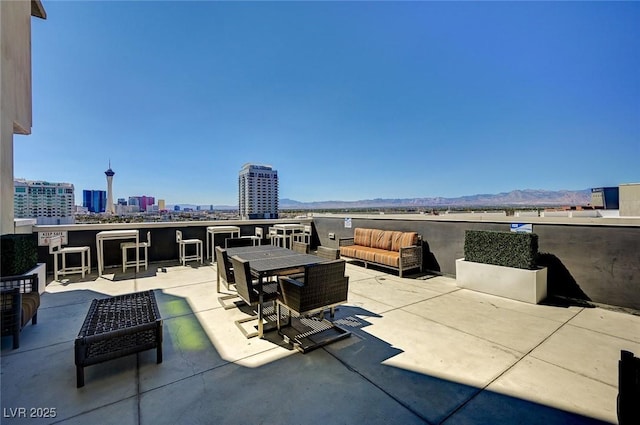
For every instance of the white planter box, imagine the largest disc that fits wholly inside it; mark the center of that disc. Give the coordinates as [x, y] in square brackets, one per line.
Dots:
[518, 284]
[41, 271]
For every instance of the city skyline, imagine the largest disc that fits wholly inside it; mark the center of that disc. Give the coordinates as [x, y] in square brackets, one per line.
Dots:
[348, 101]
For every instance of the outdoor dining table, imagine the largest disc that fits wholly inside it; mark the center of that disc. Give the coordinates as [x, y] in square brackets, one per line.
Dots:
[111, 235]
[268, 260]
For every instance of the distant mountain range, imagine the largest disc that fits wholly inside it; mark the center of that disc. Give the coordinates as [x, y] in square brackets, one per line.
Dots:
[515, 198]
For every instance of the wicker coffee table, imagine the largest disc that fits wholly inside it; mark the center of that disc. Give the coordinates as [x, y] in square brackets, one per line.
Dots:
[116, 327]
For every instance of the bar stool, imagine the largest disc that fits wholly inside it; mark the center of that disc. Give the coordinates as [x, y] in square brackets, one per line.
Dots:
[276, 238]
[55, 248]
[182, 245]
[125, 246]
[304, 236]
[257, 238]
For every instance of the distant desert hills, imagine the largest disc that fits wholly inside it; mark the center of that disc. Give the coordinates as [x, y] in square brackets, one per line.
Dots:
[515, 198]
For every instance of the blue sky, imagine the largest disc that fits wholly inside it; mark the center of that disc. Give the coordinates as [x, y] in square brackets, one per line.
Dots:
[348, 101]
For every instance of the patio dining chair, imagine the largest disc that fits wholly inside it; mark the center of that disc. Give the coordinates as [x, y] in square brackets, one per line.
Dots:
[237, 242]
[328, 253]
[225, 274]
[247, 291]
[300, 247]
[324, 286]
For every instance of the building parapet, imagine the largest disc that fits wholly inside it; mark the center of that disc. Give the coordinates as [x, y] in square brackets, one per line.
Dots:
[163, 224]
[493, 218]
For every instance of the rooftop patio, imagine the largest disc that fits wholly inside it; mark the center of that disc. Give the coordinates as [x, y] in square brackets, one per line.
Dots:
[421, 351]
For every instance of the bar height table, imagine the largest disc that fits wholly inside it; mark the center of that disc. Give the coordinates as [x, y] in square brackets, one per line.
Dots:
[213, 230]
[111, 235]
[288, 230]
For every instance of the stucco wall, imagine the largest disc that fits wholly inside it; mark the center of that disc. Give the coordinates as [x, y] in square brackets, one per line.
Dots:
[15, 30]
[630, 200]
[586, 261]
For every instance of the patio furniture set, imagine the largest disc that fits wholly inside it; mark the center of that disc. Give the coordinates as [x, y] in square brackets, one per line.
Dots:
[279, 234]
[296, 281]
[283, 274]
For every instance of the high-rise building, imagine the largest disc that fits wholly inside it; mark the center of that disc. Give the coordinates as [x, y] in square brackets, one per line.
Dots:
[607, 198]
[146, 202]
[161, 205]
[143, 202]
[49, 203]
[258, 192]
[109, 173]
[94, 201]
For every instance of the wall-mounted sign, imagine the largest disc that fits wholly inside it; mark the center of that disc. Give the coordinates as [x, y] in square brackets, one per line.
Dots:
[347, 223]
[522, 227]
[44, 237]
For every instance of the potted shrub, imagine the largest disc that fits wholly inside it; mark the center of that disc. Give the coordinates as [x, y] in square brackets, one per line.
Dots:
[19, 254]
[503, 264]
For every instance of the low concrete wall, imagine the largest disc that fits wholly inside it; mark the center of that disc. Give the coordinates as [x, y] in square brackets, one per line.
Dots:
[163, 238]
[590, 259]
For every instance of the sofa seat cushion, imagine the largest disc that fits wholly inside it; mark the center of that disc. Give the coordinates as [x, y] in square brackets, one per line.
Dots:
[30, 304]
[360, 252]
[372, 255]
[388, 258]
[349, 251]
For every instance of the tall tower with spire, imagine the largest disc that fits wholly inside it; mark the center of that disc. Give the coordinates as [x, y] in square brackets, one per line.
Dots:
[109, 173]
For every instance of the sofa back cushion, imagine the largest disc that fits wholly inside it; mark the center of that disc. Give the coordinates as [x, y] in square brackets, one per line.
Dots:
[402, 239]
[381, 239]
[362, 236]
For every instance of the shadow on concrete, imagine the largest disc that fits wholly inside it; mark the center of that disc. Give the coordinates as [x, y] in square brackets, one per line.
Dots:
[409, 274]
[186, 342]
[431, 398]
[429, 261]
[490, 407]
[562, 288]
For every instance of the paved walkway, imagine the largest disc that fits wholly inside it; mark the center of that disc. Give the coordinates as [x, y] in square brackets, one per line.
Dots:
[422, 351]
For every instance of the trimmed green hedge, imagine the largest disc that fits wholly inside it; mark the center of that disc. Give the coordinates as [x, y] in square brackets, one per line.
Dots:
[509, 249]
[19, 254]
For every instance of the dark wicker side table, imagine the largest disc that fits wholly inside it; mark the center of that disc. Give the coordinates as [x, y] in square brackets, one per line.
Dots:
[116, 327]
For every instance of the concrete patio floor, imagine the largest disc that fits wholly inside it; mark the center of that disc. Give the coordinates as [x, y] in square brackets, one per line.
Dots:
[421, 351]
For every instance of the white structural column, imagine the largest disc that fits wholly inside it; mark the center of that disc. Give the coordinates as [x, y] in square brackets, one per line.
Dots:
[109, 173]
[6, 180]
[15, 90]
